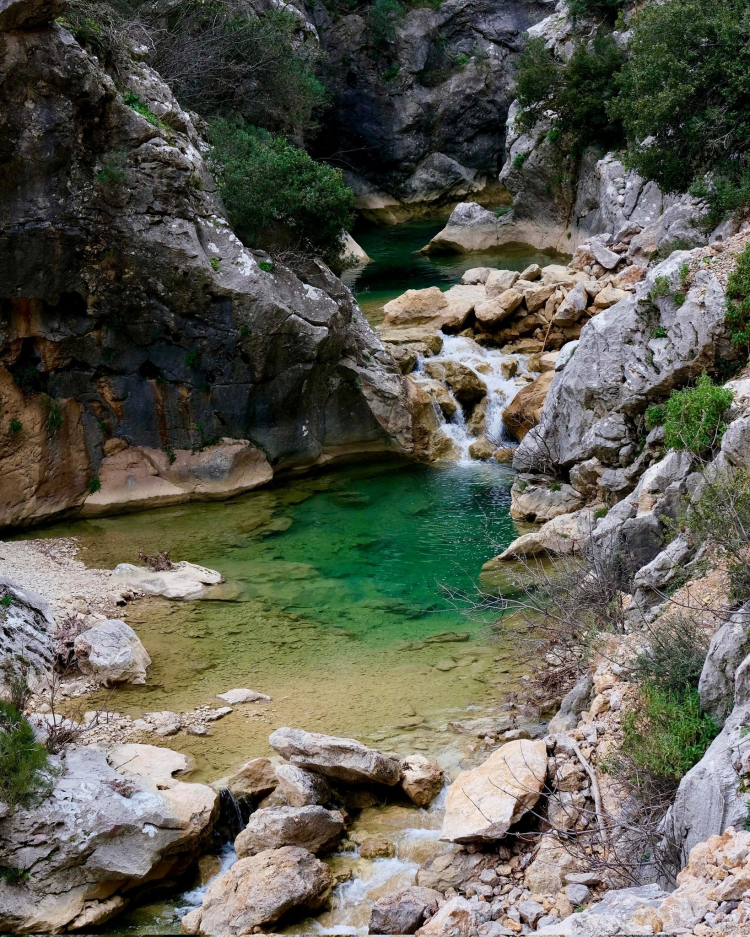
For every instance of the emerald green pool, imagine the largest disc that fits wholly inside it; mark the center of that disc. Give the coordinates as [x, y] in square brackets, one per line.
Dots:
[397, 264]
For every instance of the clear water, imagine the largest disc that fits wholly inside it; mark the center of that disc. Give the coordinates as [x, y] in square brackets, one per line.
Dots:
[397, 264]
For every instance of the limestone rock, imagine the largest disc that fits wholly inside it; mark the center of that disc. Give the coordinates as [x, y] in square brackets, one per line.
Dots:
[113, 828]
[184, 581]
[421, 779]
[572, 307]
[562, 535]
[313, 828]
[544, 876]
[255, 779]
[499, 308]
[573, 704]
[468, 388]
[404, 912]
[260, 889]
[524, 412]
[726, 652]
[422, 336]
[27, 634]
[243, 695]
[499, 281]
[542, 499]
[612, 915]
[377, 847]
[482, 804]
[339, 758]
[608, 297]
[461, 300]
[112, 653]
[302, 788]
[458, 917]
[415, 307]
[476, 275]
[482, 449]
[442, 396]
[454, 870]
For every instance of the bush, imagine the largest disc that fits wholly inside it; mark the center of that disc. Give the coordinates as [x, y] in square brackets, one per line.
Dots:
[675, 655]
[693, 418]
[383, 17]
[738, 302]
[684, 90]
[25, 774]
[278, 197]
[608, 8]
[662, 740]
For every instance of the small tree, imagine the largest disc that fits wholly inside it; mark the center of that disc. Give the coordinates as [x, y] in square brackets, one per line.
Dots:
[25, 771]
[693, 418]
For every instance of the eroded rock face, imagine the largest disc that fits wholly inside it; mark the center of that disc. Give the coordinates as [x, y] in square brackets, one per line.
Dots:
[132, 310]
[314, 828]
[259, 890]
[112, 653]
[339, 758]
[27, 631]
[482, 804]
[110, 829]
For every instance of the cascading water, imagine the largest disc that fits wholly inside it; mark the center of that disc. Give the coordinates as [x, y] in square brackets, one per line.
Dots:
[504, 375]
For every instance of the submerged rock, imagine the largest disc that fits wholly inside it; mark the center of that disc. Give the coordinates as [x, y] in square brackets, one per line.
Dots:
[339, 758]
[235, 697]
[314, 828]
[259, 890]
[112, 653]
[184, 581]
[482, 804]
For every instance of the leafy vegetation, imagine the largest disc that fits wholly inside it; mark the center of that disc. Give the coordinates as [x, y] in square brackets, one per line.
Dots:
[25, 775]
[674, 657]
[94, 485]
[577, 91]
[14, 427]
[607, 8]
[693, 418]
[134, 102]
[278, 197]
[738, 302]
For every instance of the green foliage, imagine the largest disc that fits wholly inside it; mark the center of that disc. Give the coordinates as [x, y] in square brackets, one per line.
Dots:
[383, 18]
[27, 377]
[11, 875]
[113, 169]
[659, 332]
[134, 102]
[192, 359]
[599, 513]
[54, 415]
[277, 196]
[675, 655]
[738, 302]
[15, 427]
[555, 486]
[577, 91]
[693, 418]
[462, 60]
[267, 267]
[656, 415]
[664, 738]
[215, 262]
[6, 601]
[24, 763]
[519, 159]
[684, 90]
[598, 8]
[660, 288]
[94, 485]
[391, 72]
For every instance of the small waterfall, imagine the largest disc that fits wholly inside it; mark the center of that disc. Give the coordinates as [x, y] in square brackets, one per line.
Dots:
[503, 383]
[231, 820]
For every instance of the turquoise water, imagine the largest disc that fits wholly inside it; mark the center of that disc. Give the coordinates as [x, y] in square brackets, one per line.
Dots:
[397, 264]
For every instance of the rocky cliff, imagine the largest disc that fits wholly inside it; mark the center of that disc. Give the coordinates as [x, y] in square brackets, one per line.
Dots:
[131, 310]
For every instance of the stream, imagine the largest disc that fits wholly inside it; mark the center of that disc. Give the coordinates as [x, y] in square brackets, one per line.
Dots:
[338, 604]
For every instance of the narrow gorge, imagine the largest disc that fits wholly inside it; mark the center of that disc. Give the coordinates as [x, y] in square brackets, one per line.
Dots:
[374, 467]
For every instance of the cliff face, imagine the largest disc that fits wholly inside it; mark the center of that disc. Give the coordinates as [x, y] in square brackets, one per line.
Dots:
[422, 118]
[131, 310]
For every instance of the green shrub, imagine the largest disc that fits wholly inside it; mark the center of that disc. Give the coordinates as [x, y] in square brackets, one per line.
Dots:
[15, 427]
[25, 776]
[599, 513]
[738, 302]
[54, 415]
[113, 169]
[134, 102]
[608, 8]
[215, 263]
[674, 657]
[659, 332]
[693, 418]
[383, 17]
[278, 198]
[519, 159]
[663, 739]
[577, 91]
[192, 359]
[267, 267]
[660, 288]
[94, 485]
[684, 90]
[392, 72]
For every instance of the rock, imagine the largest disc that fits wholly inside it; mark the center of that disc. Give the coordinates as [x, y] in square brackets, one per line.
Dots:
[427, 339]
[572, 307]
[543, 363]
[235, 697]
[499, 308]
[112, 653]
[458, 917]
[339, 758]
[302, 788]
[575, 702]
[542, 499]
[565, 354]
[608, 297]
[482, 804]
[164, 723]
[442, 396]
[415, 307]
[629, 277]
[727, 650]
[482, 449]
[468, 388]
[603, 255]
[617, 361]
[454, 870]
[255, 779]
[353, 253]
[259, 890]
[500, 281]
[476, 275]
[29, 14]
[470, 227]
[185, 581]
[404, 912]
[577, 894]
[27, 635]
[612, 915]
[532, 272]
[461, 301]
[509, 368]
[535, 295]
[114, 829]
[544, 876]
[421, 778]
[524, 412]
[505, 455]
[558, 537]
[530, 911]
[313, 828]
[377, 847]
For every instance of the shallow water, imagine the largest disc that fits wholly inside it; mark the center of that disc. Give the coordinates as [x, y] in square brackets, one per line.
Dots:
[396, 264]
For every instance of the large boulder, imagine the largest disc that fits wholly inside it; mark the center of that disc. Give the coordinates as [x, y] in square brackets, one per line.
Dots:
[112, 653]
[339, 758]
[542, 499]
[253, 780]
[111, 826]
[524, 411]
[314, 828]
[619, 368]
[404, 912]
[561, 535]
[467, 386]
[416, 307]
[259, 890]
[421, 778]
[454, 870]
[482, 804]
[302, 788]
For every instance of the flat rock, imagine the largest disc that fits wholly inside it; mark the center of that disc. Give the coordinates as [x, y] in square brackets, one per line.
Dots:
[458, 917]
[235, 697]
[415, 307]
[313, 828]
[482, 804]
[184, 581]
[339, 758]
[260, 889]
[112, 653]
